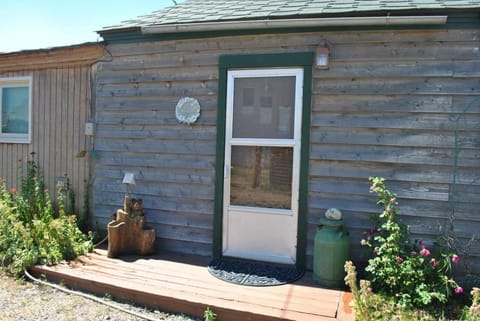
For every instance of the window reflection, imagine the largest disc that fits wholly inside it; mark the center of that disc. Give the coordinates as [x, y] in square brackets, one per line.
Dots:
[14, 107]
[261, 176]
[263, 107]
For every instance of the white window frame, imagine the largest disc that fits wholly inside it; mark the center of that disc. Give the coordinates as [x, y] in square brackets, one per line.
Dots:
[9, 82]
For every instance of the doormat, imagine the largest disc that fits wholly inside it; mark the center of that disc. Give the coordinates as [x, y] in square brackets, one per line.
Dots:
[253, 273]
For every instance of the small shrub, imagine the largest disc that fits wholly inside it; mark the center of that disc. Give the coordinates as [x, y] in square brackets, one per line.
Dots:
[31, 232]
[376, 306]
[409, 272]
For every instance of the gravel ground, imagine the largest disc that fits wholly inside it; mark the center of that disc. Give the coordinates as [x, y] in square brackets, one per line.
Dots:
[26, 301]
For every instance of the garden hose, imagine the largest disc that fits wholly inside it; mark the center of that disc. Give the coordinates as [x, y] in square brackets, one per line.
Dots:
[90, 297]
[101, 242]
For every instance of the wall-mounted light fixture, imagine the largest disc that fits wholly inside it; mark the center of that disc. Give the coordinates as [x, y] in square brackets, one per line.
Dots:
[129, 181]
[322, 54]
[129, 178]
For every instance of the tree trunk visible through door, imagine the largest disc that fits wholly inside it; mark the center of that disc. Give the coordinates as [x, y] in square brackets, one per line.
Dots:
[257, 161]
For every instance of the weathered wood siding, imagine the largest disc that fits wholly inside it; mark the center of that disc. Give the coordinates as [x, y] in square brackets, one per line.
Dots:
[61, 104]
[387, 106]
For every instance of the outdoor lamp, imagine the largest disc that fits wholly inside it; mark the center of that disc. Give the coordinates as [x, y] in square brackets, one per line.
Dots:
[129, 180]
[322, 54]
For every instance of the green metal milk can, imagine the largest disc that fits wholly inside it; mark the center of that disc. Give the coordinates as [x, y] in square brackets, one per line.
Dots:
[331, 250]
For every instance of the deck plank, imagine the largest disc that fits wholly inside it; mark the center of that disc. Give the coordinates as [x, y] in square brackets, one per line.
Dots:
[179, 283]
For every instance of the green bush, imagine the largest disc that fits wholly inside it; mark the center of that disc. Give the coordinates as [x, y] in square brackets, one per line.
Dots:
[414, 274]
[407, 280]
[370, 306]
[31, 231]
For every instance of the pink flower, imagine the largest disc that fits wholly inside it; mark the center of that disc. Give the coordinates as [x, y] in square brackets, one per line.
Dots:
[363, 242]
[425, 252]
[399, 260]
[373, 230]
[455, 258]
[90, 233]
[458, 290]
[433, 263]
[392, 200]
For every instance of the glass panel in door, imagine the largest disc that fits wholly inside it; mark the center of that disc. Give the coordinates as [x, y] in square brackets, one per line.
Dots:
[264, 107]
[261, 176]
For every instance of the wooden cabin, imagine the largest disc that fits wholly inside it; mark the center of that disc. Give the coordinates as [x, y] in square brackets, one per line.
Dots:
[46, 102]
[299, 102]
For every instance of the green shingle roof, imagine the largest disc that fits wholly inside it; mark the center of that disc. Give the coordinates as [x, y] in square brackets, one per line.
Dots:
[195, 11]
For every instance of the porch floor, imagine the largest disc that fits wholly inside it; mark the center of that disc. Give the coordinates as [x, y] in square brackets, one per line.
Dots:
[181, 283]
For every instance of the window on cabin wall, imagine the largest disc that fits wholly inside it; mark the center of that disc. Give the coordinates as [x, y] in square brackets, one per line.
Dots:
[15, 109]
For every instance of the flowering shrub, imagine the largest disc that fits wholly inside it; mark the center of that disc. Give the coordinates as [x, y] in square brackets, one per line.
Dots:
[370, 306]
[412, 273]
[31, 232]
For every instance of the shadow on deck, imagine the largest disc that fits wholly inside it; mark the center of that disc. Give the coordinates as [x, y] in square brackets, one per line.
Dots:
[181, 283]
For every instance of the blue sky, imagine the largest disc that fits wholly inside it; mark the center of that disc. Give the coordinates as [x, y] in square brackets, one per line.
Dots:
[36, 24]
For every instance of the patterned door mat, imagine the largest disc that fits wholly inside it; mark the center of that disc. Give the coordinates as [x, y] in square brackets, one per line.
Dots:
[253, 273]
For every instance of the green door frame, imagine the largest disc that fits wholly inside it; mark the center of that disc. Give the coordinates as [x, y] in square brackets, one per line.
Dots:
[250, 61]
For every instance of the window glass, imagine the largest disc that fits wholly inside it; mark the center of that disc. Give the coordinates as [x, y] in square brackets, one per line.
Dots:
[15, 110]
[263, 107]
[261, 176]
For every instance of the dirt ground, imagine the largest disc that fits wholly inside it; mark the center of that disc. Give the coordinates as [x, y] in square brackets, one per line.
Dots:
[22, 300]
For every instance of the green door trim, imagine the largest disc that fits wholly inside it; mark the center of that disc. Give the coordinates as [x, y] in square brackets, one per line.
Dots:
[226, 62]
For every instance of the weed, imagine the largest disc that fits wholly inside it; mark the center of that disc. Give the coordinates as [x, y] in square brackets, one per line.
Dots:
[209, 315]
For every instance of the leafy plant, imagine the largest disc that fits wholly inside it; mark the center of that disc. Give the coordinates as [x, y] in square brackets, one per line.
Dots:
[407, 280]
[376, 306]
[412, 273]
[71, 202]
[31, 232]
[474, 310]
[209, 315]
[369, 305]
[83, 217]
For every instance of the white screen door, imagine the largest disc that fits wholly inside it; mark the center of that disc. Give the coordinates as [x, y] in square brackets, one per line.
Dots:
[262, 164]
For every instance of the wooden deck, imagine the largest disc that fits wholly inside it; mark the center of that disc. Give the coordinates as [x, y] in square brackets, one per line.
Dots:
[180, 283]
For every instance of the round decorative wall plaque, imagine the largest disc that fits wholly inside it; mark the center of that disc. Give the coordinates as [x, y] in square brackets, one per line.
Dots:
[187, 110]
